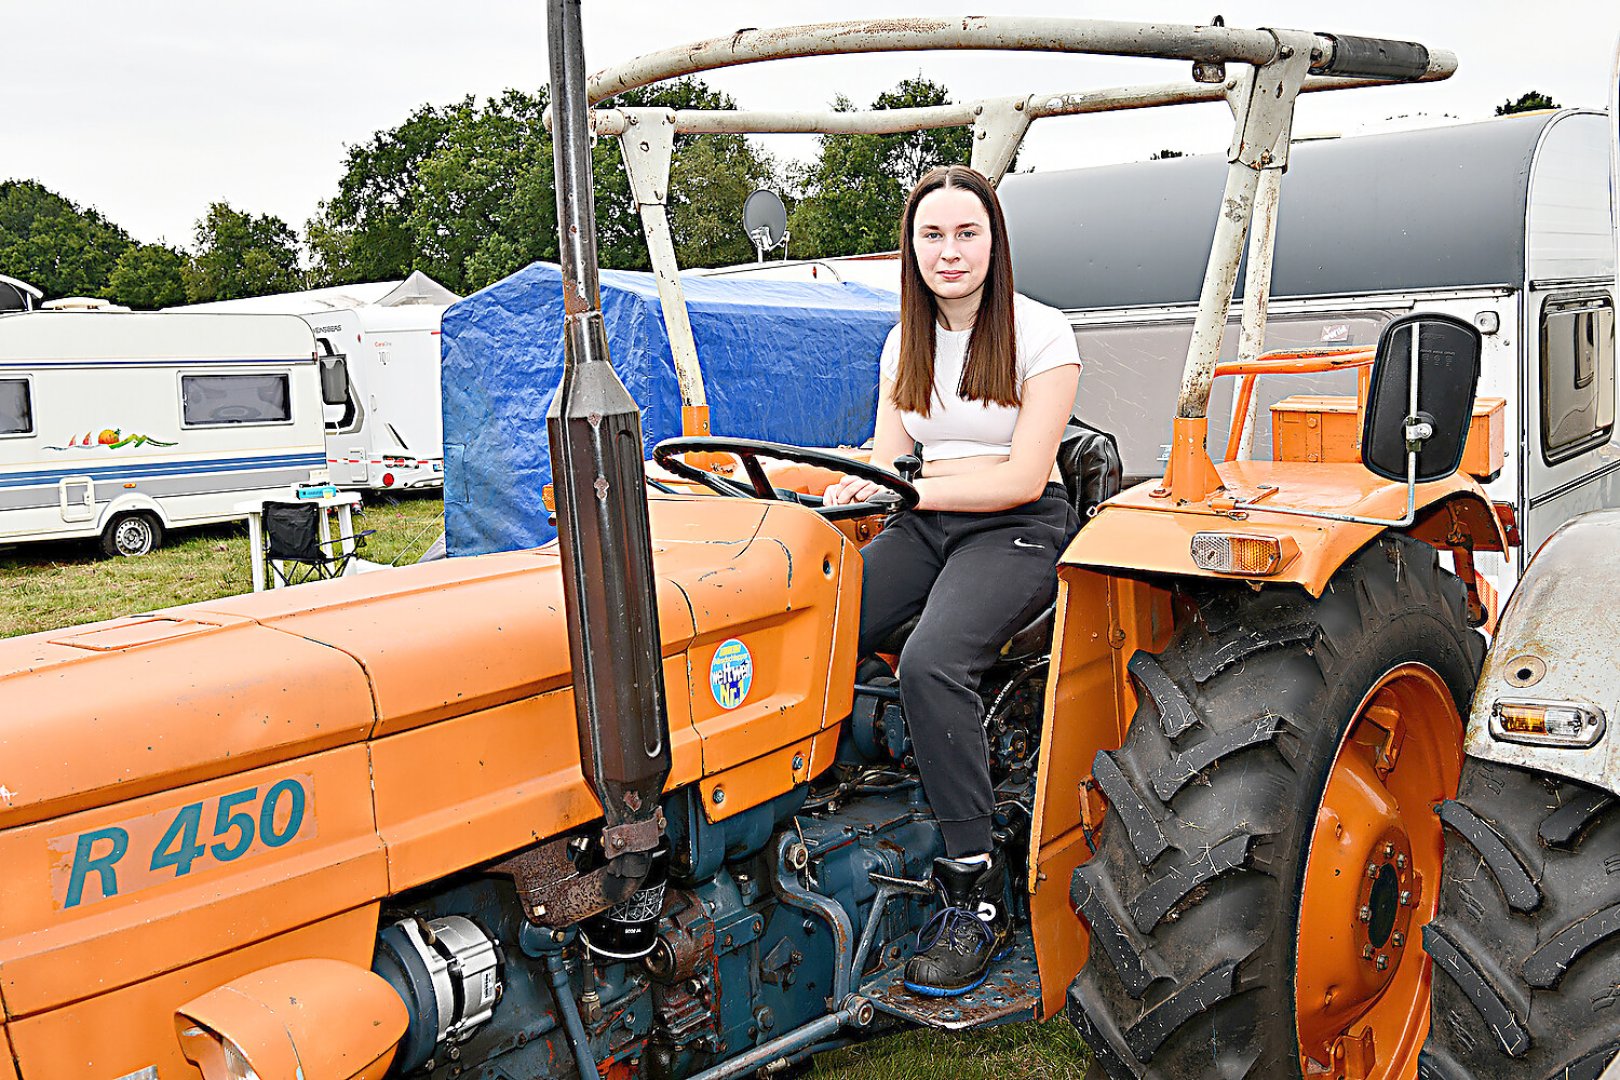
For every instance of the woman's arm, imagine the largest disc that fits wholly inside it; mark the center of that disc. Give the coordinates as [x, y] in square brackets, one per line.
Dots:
[1047, 402]
[889, 441]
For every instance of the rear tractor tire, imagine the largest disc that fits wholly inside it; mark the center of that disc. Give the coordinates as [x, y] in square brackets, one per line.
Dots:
[130, 534]
[1270, 851]
[1526, 946]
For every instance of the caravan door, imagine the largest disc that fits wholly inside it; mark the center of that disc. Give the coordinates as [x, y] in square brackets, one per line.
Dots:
[1571, 444]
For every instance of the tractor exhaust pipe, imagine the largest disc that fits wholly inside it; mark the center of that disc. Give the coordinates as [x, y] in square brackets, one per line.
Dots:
[596, 452]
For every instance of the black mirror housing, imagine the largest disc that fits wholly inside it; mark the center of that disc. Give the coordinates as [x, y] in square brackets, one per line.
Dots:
[1448, 375]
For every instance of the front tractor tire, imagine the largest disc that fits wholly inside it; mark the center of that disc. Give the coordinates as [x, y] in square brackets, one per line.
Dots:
[1270, 852]
[1527, 943]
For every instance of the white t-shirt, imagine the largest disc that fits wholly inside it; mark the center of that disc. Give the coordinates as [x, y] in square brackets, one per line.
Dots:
[956, 428]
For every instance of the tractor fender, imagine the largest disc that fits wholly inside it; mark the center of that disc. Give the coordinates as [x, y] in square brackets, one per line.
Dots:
[1557, 642]
[1138, 531]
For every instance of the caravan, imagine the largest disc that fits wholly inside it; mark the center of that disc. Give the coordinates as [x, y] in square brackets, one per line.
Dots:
[383, 339]
[123, 426]
[1505, 223]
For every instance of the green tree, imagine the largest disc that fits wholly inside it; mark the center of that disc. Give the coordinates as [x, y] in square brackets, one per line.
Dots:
[55, 245]
[481, 207]
[852, 195]
[363, 233]
[148, 276]
[468, 194]
[1534, 101]
[240, 254]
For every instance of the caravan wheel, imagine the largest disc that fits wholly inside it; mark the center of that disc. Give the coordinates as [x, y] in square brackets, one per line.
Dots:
[131, 534]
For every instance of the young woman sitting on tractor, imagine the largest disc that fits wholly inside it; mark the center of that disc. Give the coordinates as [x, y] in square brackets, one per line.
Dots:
[983, 381]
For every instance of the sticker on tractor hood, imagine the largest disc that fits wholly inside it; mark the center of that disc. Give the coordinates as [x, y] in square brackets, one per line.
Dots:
[116, 860]
[731, 673]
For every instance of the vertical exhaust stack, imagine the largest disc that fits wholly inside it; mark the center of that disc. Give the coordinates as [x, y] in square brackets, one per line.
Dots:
[596, 453]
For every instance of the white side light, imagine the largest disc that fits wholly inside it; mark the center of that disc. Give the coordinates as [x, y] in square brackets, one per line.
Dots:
[1562, 724]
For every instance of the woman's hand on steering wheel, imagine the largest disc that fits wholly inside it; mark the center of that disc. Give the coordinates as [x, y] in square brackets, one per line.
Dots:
[850, 489]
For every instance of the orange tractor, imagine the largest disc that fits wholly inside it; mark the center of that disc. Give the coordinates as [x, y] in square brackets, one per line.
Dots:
[624, 807]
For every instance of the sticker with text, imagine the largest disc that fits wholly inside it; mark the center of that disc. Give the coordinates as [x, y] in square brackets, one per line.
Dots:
[116, 860]
[731, 673]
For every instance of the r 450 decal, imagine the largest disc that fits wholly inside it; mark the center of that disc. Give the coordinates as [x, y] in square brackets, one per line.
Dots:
[116, 860]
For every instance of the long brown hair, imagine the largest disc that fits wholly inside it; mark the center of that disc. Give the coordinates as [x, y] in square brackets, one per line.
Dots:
[991, 371]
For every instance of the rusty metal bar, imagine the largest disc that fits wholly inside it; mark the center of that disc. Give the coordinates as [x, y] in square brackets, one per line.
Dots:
[613, 122]
[1165, 41]
[1256, 300]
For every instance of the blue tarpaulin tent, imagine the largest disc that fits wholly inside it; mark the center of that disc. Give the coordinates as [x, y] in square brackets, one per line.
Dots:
[791, 361]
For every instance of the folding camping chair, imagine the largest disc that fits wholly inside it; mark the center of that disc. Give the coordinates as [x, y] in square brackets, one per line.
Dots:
[294, 547]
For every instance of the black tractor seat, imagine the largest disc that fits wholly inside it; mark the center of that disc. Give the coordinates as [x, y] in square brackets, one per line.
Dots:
[1088, 460]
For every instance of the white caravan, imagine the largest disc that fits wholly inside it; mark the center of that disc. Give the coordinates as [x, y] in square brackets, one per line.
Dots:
[381, 340]
[124, 425]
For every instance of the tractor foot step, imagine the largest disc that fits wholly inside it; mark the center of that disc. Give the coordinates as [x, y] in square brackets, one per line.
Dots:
[1011, 992]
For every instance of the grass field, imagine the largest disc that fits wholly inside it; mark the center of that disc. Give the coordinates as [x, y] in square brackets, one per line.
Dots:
[49, 586]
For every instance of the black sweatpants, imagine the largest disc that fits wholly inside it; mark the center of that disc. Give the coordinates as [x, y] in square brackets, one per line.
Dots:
[977, 579]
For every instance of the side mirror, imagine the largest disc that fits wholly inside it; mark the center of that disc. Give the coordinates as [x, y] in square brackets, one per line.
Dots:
[1421, 400]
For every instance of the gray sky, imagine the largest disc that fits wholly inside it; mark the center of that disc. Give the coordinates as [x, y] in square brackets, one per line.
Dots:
[149, 111]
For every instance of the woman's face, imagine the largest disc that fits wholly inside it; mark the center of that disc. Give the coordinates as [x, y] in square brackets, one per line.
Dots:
[951, 236]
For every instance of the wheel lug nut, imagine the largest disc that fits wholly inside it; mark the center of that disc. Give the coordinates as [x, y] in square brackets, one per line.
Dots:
[1397, 939]
[1383, 962]
[1406, 898]
[1366, 952]
[1372, 870]
[1365, 914]
[1389, 850]
[1400, 862]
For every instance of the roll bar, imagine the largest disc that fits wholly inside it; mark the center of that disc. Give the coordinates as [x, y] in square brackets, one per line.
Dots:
[1275, 67]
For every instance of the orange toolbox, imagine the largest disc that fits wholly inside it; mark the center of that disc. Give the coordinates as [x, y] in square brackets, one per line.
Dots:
[1310, 427]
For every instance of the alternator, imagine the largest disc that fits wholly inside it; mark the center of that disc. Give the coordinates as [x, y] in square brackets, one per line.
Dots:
[447, 971]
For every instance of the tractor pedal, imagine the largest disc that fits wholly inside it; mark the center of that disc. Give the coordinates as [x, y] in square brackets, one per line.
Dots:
[1010, 992]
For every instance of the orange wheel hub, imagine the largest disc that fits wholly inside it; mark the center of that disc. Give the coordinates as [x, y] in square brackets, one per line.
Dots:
[1362, 978]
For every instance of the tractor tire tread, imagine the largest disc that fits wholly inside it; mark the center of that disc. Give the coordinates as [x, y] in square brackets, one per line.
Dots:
[1176, 713]
[1555, 966]
[1518, 888]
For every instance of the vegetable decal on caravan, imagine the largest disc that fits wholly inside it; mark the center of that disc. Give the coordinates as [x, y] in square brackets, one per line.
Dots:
[112, 439]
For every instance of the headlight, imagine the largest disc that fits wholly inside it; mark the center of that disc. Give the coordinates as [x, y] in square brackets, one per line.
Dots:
[1561, 724]
[215, 1055]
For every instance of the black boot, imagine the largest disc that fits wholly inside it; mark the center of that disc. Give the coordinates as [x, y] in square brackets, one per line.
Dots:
[970, 931]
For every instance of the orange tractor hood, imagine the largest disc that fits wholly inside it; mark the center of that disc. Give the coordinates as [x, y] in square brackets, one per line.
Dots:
[102, 713]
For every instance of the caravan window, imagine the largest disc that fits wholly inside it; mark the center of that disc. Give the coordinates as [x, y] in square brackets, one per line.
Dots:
[16, 407]
[213, 400]
[1577, 375]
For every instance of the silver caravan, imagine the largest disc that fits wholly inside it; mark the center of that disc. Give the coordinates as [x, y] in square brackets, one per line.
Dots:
[124, 425]
[1506, 223]
[380, 341]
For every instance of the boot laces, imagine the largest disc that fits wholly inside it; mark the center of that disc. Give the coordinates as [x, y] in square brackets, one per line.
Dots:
[959, 928]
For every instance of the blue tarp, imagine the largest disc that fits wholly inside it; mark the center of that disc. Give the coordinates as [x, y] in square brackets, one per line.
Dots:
[790, 361]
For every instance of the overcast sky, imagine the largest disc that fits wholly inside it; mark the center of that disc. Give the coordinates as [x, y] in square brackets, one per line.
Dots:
[150, 111]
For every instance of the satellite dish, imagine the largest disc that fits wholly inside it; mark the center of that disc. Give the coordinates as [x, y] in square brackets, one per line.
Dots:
[765, 220]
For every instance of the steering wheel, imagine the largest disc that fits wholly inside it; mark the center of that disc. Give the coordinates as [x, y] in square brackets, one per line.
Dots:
[898, 493]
